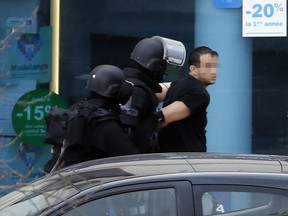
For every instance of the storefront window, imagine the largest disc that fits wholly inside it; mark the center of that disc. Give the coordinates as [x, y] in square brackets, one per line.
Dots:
[25, 99]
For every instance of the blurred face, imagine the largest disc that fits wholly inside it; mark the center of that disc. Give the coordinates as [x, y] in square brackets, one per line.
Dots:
[206, 72]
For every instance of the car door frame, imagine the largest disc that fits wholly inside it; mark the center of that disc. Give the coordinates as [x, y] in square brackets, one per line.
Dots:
[183, 188]
[200, 189]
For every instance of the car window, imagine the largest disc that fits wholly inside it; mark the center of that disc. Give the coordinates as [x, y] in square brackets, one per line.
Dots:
[250, 202]
[157, 202]
[34, 199]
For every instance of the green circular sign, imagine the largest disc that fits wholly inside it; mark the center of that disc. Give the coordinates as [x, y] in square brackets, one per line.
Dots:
[29, 112]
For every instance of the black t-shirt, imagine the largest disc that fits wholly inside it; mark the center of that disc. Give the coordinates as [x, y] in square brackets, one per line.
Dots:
[188, 134]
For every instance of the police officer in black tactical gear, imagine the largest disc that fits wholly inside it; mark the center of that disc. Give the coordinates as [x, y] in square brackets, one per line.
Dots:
[149, 60]
[102, 137]
[108, 138]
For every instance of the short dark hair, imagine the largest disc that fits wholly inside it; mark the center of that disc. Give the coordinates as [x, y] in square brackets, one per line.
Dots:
[194, 57]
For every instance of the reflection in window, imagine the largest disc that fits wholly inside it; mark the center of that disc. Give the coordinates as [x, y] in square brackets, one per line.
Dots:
[160, 202]
[244, 203]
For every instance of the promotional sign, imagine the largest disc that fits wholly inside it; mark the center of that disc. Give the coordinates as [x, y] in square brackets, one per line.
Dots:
[27, 25]
[28, 58]
[264, 18]
[28, 115]
[9, 96]
[21, 162]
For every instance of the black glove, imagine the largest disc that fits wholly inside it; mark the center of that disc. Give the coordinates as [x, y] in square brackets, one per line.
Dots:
[159, 117]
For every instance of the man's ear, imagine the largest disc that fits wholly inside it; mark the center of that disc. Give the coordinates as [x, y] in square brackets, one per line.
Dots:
[192, 70]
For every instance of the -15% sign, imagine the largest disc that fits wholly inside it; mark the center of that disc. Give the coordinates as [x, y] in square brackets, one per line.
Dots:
[29, 112]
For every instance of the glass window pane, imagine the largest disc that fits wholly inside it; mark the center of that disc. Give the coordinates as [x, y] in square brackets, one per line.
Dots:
[248, 203]
[160, 202]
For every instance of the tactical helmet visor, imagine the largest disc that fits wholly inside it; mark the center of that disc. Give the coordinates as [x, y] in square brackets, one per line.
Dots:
[174, 51]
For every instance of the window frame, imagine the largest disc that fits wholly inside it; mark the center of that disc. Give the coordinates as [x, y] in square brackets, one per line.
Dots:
[199, 190]
[183, 190]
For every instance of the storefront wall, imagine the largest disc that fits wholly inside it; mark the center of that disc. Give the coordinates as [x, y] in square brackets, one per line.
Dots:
[248, 109]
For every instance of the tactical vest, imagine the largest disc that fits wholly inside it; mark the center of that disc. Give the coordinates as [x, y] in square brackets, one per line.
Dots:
[138, 116]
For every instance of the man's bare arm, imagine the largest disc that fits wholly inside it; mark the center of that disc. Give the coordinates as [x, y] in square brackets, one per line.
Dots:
[165, 86]
[174, 112]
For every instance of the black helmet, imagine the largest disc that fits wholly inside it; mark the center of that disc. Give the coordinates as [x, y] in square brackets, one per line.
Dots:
[106, 80]
[149, 53]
